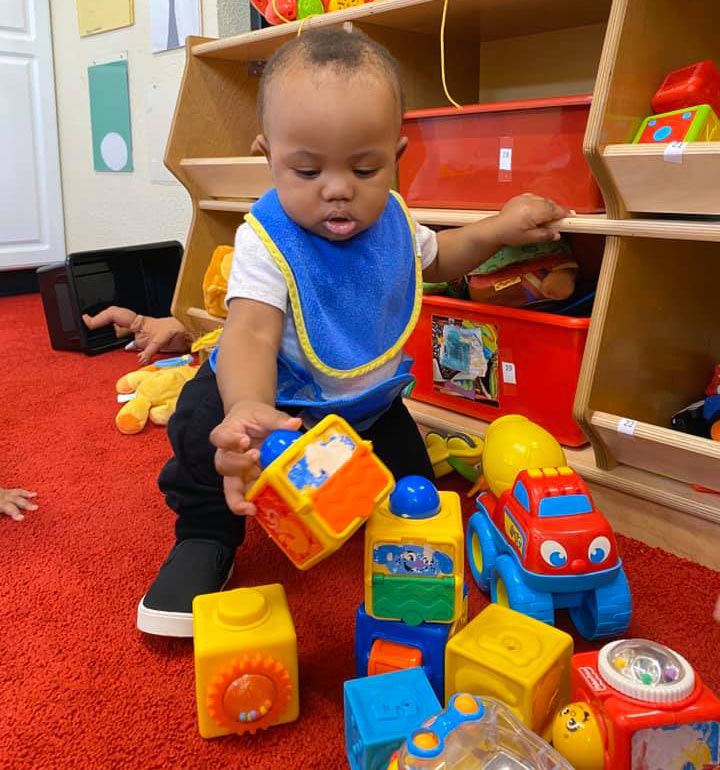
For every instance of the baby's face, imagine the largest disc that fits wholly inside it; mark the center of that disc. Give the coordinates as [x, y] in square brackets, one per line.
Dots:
[332, 141]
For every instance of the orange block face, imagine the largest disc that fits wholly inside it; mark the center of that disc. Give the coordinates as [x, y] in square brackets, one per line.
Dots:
[388, 656]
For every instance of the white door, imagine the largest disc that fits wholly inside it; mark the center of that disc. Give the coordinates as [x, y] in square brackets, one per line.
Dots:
[31, 214]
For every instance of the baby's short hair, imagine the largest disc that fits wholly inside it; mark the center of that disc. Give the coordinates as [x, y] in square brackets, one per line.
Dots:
[332, 47]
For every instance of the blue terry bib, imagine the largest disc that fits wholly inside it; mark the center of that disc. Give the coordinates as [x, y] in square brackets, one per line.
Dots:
[354, 304]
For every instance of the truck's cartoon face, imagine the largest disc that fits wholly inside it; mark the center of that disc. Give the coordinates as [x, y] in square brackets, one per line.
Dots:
[556, 534]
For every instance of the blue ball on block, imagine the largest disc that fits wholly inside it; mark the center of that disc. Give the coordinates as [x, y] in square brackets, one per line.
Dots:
[414, 497]
[275, 444]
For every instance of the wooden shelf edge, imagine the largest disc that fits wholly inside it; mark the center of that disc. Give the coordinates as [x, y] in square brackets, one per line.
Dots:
[226, 204]
[630, 481]
[709, 149]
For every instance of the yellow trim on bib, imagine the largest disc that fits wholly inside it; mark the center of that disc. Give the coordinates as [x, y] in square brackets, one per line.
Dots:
[296, 306]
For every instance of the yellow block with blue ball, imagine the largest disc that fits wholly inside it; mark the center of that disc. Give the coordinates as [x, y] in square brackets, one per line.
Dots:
[521, 661]
[317, 488]
[414, 555]
[246, 669]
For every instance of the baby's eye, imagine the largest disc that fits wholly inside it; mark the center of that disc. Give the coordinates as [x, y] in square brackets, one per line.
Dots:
[306, 173]
[364, 173]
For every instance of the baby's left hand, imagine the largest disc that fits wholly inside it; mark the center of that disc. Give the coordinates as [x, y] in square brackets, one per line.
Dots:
[529, 218]
[14, 501]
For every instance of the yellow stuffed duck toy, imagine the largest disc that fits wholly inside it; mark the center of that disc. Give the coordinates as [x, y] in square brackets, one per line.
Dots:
[156, 392]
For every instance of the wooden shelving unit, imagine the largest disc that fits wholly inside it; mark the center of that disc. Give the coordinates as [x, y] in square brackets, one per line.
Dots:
[654, 334]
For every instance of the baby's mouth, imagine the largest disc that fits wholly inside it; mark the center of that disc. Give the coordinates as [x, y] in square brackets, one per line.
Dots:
[340, 224]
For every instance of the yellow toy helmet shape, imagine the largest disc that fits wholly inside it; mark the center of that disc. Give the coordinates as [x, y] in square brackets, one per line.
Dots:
[514, 444]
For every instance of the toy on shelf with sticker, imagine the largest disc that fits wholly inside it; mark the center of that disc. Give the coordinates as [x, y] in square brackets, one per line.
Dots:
[691, 124]
[475, 734]
[456, 452]
[638, 704]
[702, 418]
[697, 84]
[282, 11]
[391, 645]
[542, 545]
[414, 556]
[317, 488]
[380, 711]
[519, 660]
[246, 676]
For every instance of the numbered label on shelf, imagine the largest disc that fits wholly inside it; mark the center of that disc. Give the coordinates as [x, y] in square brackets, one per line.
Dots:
[508, 373]
[505, 162]
[627, 426]
[674, 152]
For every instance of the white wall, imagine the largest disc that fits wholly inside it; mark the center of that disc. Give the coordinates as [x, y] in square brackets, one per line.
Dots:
[106, 209]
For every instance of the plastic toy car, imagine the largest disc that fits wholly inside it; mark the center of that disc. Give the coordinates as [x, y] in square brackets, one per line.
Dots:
[542, 545]
[475, 734]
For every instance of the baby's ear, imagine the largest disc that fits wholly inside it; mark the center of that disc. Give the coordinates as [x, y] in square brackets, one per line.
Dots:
[400, 147]
[260, 146]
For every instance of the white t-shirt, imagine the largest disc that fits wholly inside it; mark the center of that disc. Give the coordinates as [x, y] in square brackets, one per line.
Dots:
[254, 275]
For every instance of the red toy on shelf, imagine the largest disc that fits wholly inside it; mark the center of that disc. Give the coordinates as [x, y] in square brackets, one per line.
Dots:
[640, 706]
[687, 87]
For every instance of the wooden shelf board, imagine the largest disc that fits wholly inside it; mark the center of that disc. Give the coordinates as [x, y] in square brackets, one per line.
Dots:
[474, 20]
[204, 320]
[632, 481]
[593, 224]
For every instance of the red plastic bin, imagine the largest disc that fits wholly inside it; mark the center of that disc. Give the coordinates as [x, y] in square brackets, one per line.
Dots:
[532, 362]
[482, 155]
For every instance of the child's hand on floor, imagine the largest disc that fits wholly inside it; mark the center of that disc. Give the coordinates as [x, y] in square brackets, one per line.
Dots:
[237, 439]
[527, 219]
[14, 501]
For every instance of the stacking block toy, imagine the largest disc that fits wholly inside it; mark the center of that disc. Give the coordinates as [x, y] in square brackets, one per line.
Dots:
[414, 556]
[638, 704]
[391, 645]
[317, 488]
[246, 675]
[475, 734]
[519, 660]
[692, 124]
[697, 84]
[380, 711]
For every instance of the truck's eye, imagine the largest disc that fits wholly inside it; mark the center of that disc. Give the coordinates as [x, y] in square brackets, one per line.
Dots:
[599, 550]
[553, 553]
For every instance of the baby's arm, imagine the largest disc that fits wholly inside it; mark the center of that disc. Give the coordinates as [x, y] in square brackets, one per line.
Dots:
[524, 219]
[246, 376]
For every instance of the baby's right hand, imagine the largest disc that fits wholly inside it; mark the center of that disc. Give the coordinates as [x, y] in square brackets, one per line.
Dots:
[237, 439]
[14, 501]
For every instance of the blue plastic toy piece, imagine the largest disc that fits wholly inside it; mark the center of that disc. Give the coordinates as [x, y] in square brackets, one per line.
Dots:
[380, 711]
[429, 638]
[461, 709]
[414, 497]
[169, 363]
[275, 444]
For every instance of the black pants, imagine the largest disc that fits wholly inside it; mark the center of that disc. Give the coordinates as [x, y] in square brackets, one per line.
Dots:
[194, 489]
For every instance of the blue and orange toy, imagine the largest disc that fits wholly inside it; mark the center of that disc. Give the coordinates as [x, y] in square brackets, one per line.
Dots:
[414, 555]
[246, 669]
[380, 711]
[316, 489]
[637, 705]
[475, 734]
[542, 545]
[690, 124]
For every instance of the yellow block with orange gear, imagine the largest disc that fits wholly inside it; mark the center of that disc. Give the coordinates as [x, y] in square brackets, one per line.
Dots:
[520, 661]
[156, 392]
[246, 665]
[313, 496]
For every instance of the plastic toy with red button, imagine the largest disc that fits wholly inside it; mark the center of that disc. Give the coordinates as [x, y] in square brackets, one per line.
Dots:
[317, 488]
[687, 106]
[246, 669]
[475, 734]
[538, 543]
[702, 418]
[638, 705]
[282, 11]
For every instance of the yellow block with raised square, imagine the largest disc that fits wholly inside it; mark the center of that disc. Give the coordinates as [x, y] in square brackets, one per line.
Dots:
[520, 661]
[246, 672]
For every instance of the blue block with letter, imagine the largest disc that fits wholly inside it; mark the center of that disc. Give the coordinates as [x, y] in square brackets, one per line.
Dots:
[380, 712]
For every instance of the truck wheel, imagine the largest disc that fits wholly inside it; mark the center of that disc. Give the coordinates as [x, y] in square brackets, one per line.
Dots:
[481, 549]
[606, 611]
[510, 590]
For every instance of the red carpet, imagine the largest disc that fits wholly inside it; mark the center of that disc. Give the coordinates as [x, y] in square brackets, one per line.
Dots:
[80, 687]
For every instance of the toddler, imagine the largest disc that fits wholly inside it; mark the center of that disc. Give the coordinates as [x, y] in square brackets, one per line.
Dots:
[325, 288]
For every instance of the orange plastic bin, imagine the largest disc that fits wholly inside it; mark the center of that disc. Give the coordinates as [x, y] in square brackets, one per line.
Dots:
[486, 361]
[482, 155]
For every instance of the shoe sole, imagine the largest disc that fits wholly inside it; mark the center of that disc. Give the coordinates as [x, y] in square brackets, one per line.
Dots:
[176, 624]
